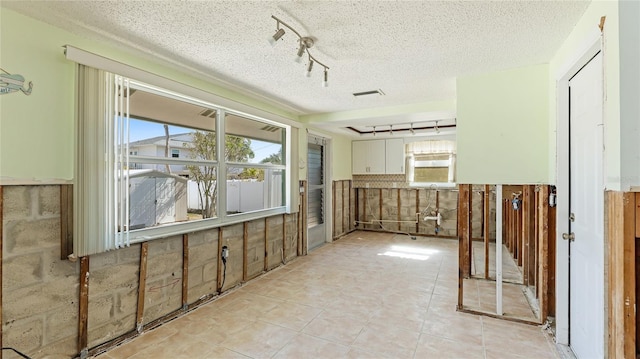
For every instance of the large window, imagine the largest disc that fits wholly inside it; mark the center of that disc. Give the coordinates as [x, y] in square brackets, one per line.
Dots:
[172, 163]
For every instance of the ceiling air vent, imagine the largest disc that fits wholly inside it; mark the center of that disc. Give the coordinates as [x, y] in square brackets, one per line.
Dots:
[366, 93]
[208, 113]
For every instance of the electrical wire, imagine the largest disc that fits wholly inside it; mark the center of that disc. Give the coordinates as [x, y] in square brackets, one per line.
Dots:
[17, 352]
[224, 272]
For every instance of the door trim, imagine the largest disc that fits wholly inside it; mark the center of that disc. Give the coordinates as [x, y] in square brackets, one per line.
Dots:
[562, 185]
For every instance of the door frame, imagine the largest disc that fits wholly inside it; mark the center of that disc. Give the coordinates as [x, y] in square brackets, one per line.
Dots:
[593, 46]
[328, 172]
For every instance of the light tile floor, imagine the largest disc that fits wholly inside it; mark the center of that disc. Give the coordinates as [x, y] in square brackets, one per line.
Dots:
[367, 295]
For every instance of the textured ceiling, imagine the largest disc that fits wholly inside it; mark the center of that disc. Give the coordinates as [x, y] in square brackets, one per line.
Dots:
[411, 50]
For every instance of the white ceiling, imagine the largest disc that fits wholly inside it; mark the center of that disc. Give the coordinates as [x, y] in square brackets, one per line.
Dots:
[411, 50]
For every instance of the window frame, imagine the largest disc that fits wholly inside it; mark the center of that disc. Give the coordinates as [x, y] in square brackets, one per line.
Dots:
[90, 226]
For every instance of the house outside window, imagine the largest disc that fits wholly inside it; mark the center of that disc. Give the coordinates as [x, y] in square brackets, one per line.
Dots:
[178, 164]
[431, 163]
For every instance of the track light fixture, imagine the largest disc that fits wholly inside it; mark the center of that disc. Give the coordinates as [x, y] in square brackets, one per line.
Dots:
[309, 68]
[305, 43]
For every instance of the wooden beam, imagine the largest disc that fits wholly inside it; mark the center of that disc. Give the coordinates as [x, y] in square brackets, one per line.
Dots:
[266, 244]
[1, 264]
[142, 284]
[344, 209]
[543, 253]
[364, 207]
[83, 315]
[399, 210]
[637, 215]
[418, 208]
[350, 205]
[527, 247]
[333, 210]
[380, 205]
[284, 238]
[630, 299]
[66, 221]
[470, 230]
[485, 235]
[245, 245]
[185, 271]
[220, 264]
[438, 209]
[464, 228]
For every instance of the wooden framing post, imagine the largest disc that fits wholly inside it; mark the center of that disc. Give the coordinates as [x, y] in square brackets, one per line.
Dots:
[464, 236]
[245, 241]
[142, 284]
[543, 253]
[620, 238]
[380, 206]
[284, 239]
[333, 210]
[185, 272]
[305, 246]
[528, 239]
[83, 317]
[418, 208]
[485, 234]
[266, 244]
[220, 264]
[1, 255]
[344, 209]
[399, 210]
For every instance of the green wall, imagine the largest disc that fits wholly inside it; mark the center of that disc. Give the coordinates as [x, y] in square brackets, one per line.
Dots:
[37, 131]
[502, 133]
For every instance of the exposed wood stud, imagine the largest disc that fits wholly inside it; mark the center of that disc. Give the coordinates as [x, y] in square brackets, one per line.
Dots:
[526, 226]
[637, 215]
[333, 210]
[464, 228]
[185, 271]
[485, 234]
[66, 221]
[266, 244]
[629, 240]
[350, 205]
[83, 315]
[380, 206]
[344, 210]
[1, 264]
[245, 246]
[142, 285]
[470, 230]
[365, 193]
[417, 208]
[220, 264]
[399, 210]
[284, 239]
[543, 253]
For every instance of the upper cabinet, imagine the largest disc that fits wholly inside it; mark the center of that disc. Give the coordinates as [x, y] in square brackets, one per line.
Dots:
[378, 157]
[394, 156]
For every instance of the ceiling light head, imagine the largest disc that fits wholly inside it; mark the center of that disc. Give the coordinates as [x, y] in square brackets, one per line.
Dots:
[274, 39]
[325, 81]
[305, 43]
[309, 68]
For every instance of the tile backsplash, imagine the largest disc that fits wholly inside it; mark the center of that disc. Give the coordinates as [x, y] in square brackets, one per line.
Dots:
[380, 181]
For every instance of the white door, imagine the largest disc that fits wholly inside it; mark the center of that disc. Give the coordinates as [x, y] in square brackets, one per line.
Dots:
[586, 205]
[316, 203]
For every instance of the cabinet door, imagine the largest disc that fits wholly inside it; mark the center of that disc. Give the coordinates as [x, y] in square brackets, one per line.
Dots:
[376, 157]
[359, 162]
[394, 154]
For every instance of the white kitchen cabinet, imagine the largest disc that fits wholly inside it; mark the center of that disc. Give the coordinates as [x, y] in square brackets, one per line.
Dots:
[377, 157]
[368, 157]
[394, 156]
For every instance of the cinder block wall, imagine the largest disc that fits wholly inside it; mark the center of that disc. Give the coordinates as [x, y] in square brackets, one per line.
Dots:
[397, 208]
[40, 304]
